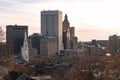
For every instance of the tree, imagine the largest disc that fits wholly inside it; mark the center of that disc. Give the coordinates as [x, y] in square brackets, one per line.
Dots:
[2, 35]
[112, 70]
[84, 67]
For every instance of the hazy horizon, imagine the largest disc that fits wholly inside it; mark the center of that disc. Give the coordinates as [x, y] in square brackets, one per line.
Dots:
[92, 19]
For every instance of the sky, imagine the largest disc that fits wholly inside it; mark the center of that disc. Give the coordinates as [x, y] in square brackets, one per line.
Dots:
[92, 19]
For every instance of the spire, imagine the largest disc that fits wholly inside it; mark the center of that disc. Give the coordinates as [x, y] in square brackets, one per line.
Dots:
[25, 43]
[25, 49]
[25, 37]
[66, 22]
[66, 17]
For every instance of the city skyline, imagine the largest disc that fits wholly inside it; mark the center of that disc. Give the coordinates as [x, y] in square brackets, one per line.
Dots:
[92, 19]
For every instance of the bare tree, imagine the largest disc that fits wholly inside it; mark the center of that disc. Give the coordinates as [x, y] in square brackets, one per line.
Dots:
[2, 35]
[82, 68]
[87, 67]
[112, 70]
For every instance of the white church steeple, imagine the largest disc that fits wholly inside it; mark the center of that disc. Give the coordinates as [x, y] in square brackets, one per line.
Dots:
[25, 49]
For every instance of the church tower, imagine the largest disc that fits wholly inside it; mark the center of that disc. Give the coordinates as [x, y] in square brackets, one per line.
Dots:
[25, 49]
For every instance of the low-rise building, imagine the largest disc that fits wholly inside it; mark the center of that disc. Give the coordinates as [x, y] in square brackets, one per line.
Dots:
[46, 45]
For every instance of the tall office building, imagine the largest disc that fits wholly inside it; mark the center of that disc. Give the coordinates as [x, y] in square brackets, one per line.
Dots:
[15, 37]
[51, 25]
[75, 42]
[66, 33]
[72, 37]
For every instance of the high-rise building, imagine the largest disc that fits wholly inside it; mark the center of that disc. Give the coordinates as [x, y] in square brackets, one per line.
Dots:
[15, 37]
[114, 44]
[66, 33]
[72, 37]
[51, 24]
[75, 42]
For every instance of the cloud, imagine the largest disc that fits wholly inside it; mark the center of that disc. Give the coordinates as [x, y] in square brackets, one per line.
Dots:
[8, 6]
[30, 1]
[12, 12]
[96, 16]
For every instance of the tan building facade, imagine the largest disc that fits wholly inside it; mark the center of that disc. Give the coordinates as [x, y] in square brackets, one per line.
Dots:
[51, 24]
[48, 46]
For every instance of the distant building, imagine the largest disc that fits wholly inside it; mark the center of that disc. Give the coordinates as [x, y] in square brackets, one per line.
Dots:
[69, 39]
[69, 52]
[75, 42]
[95, 50]
[32, 50]
[51, 24]
[114, 44]
[34, 41]
[72, 37]
[66, 33]
[15, 37]
[103, 43]
[95, 47]
[80, 45]
[46, 45]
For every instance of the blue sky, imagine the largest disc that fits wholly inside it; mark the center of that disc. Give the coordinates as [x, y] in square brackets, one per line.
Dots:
[93, 19]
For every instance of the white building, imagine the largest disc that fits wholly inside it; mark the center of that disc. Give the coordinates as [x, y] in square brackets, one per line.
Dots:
[25, 49]
[51, 24]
